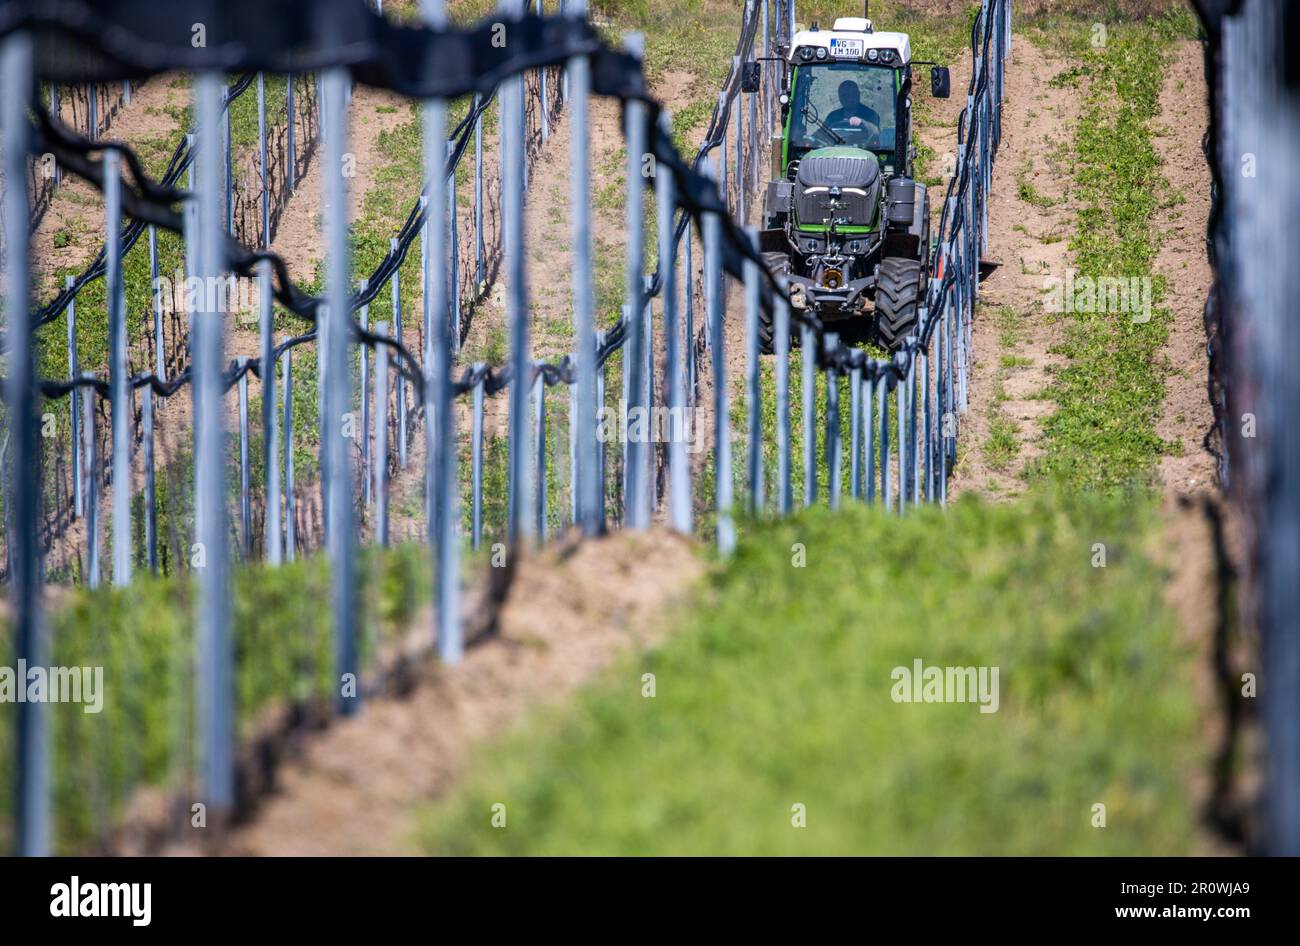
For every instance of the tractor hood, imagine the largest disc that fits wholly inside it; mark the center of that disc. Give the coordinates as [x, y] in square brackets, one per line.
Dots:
[856, 174]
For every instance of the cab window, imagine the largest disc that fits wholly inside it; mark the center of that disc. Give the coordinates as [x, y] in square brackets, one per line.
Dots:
[843, 103]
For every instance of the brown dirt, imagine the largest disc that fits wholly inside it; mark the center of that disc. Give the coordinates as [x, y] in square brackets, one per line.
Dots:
[300, 239]
[1028, 239]
[76, 214]
[1038, 121]
[77, 209]
[1182, 259]
[1189, 548]
[548, 235]
[1187, 414]
[569, 612]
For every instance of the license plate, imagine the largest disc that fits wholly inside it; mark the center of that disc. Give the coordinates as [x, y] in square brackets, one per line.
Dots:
[846, 48]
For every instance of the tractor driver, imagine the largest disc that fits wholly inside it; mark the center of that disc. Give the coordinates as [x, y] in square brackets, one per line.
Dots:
[852, 112]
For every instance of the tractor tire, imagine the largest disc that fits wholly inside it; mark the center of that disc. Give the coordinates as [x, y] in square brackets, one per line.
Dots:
[898, 295]
[779, 264]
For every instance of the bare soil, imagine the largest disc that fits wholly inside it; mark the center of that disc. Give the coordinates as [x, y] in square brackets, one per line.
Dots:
[1028, 236]
[1187, 415]
[76, 212]
[75, 219]
[570, 611]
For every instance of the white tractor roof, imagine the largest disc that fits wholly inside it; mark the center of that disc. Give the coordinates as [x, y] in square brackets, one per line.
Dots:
[855, 29]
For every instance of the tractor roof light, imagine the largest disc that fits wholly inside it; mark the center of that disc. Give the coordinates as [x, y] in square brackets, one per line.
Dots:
[821, 52]
[886, 55]
[805, 53]
[873, 55]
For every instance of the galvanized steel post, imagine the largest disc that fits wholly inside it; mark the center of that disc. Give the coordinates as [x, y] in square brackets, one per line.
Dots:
[518, 520]
[807, 393]
[726, 529]
[215, 653]
[381, 437]
[781, 348]
[476, 455]
[272, 540]
[586, 472]
[32, 801]
[833, 460]
[119, 390]
[245, 501]
[753, 379]
[290, 510]
[340, 537]
[680, 424]
[634, 360]
[75, 399]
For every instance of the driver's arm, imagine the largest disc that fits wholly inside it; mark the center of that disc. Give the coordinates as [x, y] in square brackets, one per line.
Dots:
[864, 116]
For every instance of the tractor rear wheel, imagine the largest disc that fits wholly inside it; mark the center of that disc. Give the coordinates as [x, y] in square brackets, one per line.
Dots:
[779, 264]
[898, 294]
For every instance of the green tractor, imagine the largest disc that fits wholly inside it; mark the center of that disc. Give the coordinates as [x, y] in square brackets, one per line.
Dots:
[845, 222]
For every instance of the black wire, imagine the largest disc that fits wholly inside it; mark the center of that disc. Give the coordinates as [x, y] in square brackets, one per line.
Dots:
[696, 195]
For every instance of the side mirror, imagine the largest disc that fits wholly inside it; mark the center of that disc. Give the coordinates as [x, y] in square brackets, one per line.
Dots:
[751, 77]
[940, 84]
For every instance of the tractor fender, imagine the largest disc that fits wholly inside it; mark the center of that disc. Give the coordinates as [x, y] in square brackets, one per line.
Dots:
[778, 200]
[911, 239]
[920, 227]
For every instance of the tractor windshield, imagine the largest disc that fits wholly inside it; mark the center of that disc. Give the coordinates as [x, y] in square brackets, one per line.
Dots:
[843, 103]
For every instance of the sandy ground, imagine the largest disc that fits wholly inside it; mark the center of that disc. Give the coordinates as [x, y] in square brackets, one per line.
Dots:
[1025, 236]
[1182, 260]
[1029, 241]
[1029, 238]
[568, 614]
[150, 128]
[75, 219]
[76, 212]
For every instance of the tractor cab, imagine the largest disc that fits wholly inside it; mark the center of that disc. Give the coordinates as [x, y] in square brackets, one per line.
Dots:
[845, 224]
[847, 89]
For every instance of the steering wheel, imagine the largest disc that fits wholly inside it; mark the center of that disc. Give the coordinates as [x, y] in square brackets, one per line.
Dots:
[868, 132]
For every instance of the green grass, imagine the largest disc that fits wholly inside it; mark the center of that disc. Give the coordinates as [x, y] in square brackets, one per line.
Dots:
[1110, 391]
[143, 637]
[1002, 444]
[1031, 195]
[777, 691]
[689, 120]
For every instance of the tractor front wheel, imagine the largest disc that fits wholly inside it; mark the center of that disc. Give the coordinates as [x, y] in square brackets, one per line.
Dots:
[779, 264]
[898, 294]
